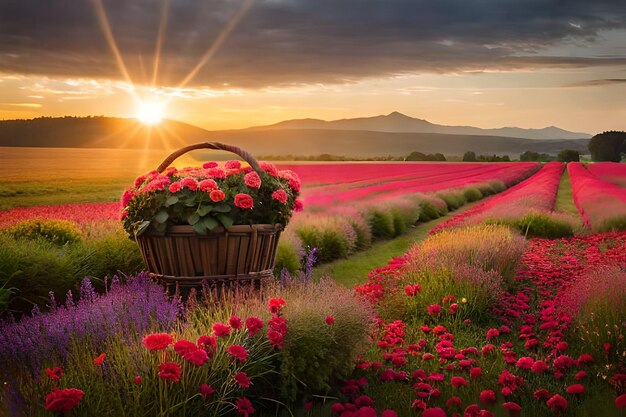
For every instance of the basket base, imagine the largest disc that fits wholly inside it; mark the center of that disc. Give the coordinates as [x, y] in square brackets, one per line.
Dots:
[252, 279]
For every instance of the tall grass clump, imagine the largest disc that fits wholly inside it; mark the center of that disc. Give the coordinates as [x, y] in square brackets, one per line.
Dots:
[453, 198]
[289, 253]
[333, 236]
[431, 207]
[357, 217]
[381, 222]
[58, 232]
[548, 225]
[405, 213]
[471, 194]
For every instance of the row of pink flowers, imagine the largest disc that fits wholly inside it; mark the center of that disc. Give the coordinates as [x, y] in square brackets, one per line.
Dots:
[598, 201]
[535, 193]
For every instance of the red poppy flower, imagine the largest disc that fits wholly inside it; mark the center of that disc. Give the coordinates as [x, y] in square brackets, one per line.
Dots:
[242, 379]
[488, 397]
[237, 352]
[330, 320]
[580, 375]
[541, 394]
[206, 390]
[458, 381]
[138, 380]
[63, 399]
[453, 308]
[169, 371]
[453, 402]
[221, 330]
[575, 389]
[557, 404]
[475, 372]
[100, 359]
[253, 324]
[235, 322]
[55, 373]
[492, 333]
[244, 407]
[276, 304]
[513, 408]
[157, 341]
[198, 357]
[620, 402]
[208, 343]
[434, 412]
[433, 309]
[183, 347]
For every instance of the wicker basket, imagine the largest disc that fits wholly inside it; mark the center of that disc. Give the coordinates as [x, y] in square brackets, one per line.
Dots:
[242, 254]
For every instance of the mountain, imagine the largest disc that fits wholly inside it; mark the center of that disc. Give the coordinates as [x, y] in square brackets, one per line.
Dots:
[400, 123]
[98, 132]
[117, 133]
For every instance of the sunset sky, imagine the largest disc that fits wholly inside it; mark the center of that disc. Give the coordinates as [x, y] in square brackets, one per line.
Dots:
[223, 64]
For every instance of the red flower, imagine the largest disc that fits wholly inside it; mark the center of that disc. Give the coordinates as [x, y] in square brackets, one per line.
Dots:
[207, 343]
[562, 346]
[541, 394]
[389, 413]
[206, 390]
[254, 324]
[242, 379]
[232, 165]
[453, 402]
[55, 373]
[488, 397]
[221, 330]
[513, 408]
[575, 389]
[190, 183]
[330, 320]
[525, 362]
[475, 373]
[275, 338]
[252, 180]
[198, 357]
[63, 399]
[217, 195]
[244, 407]
[138, 380]
[620, 402]
[276, 304]
[207, 185]
[453, 308]
[491, 333]
[557, 404]
[458, 381]
[169, 371]
[434, 412]
[235, 322]
[100, 359]
[298, 206]
[244, 201]
[183, 347]
[237, 352]
[539, 367]
[580, 375]
[157, 341]
[433, 309]
[280, 196]
[412, 289]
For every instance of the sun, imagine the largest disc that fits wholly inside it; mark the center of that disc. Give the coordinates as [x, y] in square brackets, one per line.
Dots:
[150, 112]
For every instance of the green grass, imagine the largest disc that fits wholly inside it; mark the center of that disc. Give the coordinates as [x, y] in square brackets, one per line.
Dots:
[354, 270]
[564, 197]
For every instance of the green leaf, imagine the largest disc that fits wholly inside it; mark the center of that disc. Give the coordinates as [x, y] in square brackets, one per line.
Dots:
[222, 208]
[200, 228]
[190, 201]
[193, 219]
[210, 223]
[171, 201]
[161, 216]
[225, 220]
[204, 210]
[142, 227]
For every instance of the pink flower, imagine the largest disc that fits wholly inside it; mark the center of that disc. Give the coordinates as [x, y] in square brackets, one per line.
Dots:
[157, 341]
[330, 320]
[217, 195]
[298, 206]
[244, 201]
[254, 325]
[433, 309]
[434, 412]
[138, 380]
[580, 375]
[244, 407]
[491, 333]
[488, 397]
[525, 362]
[252, 180]
[207, 185]
[575, 389]
[190, 183]
[557, 404]
[475, 372]
[208, 165]
[235, 322]
[539, 367]
[169, 371]
[221, 330]
[458, 381]
[453, 308]
[206, 390]
[232, 165]
[280, 196]
[237, 352]
[242, 379]
[54, 374]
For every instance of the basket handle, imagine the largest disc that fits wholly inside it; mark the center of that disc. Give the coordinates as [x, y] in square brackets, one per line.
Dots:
[210, 145]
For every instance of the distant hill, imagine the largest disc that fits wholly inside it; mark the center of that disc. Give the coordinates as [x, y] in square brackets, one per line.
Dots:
[97, 132]
[109, 132]
[400, 123]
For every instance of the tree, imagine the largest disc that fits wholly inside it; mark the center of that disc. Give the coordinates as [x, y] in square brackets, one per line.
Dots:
[529, 156]
[608, 146]
[469, 156]
[569, 155]
[416, 156]
[437, 157]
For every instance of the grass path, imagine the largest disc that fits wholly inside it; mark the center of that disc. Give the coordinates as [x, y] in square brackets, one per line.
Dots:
[354, 269]
[564, 197]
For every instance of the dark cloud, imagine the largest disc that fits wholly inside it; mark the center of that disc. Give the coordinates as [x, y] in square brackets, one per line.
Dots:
[300, 41]
[593, 83]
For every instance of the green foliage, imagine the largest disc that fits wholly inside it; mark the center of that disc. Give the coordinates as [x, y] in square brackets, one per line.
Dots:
[381, 221]
[287, 257]
[329, 237]
[429, 211]
[469, 156]
[58, 232]
[472, 194]
[608, 146]
[419, 156]
[315, 354]
[453, 198]
[493, 158]
[612, 224]
[404, 216]
[540, 224]
[529, 156]
[568, 155]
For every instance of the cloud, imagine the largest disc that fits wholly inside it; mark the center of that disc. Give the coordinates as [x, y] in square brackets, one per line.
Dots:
[593, 83]
[291, 42]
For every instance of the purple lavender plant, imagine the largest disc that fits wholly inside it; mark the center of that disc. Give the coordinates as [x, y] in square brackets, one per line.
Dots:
[129, 308]
[309, 263]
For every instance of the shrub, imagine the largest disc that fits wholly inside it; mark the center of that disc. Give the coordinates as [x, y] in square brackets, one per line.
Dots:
[58, 232]
[316, 353]
[289, 253]
[472, 194]
[613, 224]
[381, 222]
[547, 225]
[453, 198]
[405, 214]
[432, 208]
[332, 236]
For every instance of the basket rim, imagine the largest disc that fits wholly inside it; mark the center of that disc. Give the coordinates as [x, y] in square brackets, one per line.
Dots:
[185, 229]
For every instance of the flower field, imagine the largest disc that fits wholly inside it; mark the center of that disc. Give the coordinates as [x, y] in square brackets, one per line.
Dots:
[609, 171]
[479, 319]
[601, 203]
